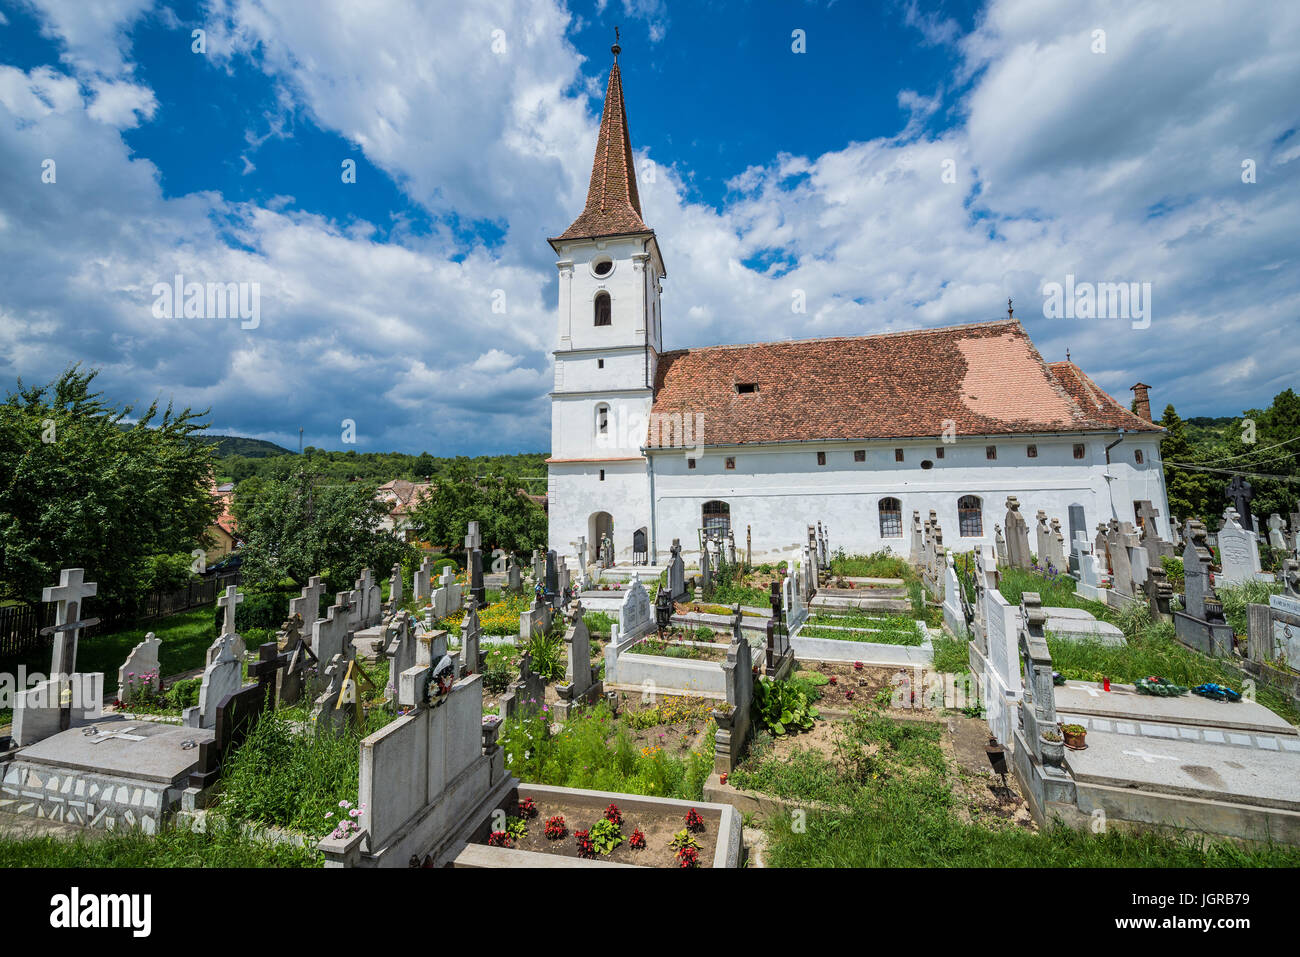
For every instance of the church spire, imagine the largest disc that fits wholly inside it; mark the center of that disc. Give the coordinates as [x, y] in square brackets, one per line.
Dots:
[613, 206]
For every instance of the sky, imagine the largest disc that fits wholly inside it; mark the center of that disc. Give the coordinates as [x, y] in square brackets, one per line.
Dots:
[899, 165]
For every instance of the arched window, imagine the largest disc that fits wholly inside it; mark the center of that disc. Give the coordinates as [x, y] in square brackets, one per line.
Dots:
[602, 419]
[891, 518]
[716, 518]
[603, 313]
[970, 519]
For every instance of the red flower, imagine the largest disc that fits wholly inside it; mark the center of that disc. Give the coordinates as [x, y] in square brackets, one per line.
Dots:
[693, 820]
[500, 839]
[688, 857]
[528, 808]
[834, 680]
[555, 827]
[637, 840]
[612, 813]
[857, 666]
[585, 847]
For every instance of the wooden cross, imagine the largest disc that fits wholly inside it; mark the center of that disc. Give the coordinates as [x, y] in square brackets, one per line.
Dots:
[268, 665]
[228, 601]
[68, 593]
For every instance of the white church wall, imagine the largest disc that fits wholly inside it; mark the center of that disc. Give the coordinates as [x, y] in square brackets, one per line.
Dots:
[627, 286]
[575, 492]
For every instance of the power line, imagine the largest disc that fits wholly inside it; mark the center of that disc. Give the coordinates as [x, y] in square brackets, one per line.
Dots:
[1231, 458]
[1255, 475]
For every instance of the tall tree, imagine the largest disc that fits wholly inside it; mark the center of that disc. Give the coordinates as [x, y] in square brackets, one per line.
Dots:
[80, 487]
[1189, 491]
[299, 527]
[507, 518]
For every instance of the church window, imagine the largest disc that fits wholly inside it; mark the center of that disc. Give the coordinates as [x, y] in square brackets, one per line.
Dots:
[602, 267]
[821, 458]
[602, 475]
[1138, 457]
[600, 363]
[1032, 451]
[898, 455]
[604, 316]
[927, 464]
[990, 452]
[891, 518]
[602, 419]
[690, 463]
[970, 519]
[731, 461]
[716, 517]
[938, 451]
[859, 455]
[1078, 450]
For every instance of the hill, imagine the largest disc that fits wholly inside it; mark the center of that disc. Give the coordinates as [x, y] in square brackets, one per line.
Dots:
[238, 445]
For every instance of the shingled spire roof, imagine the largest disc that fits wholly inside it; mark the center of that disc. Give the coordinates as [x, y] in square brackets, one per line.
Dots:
[613, 206]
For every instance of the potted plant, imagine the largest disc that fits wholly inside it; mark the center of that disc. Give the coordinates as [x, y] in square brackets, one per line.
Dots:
[1075, 735]
[1051, 746]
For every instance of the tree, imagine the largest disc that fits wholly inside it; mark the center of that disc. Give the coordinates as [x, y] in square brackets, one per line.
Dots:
[1271, 447]
[507, 518]
[80, 487]
[299, 527]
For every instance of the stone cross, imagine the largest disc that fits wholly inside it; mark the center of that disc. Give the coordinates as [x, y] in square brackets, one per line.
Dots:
[1017, 533]
[395, 586]
[68, 594]
[308, 604]
[228, 601]
[1239, 493]
[1276, 533]
[578, 646]
[469, 639]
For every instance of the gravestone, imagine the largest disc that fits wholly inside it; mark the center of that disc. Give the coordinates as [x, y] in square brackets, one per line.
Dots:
[527, 694]
[536, 620]
[1277, 533]
[1201, 624]
[1000, 544]
[395, 587]
[331, 712]
[778, 659]
[423, 580]
[1057, 546]
[474, 552]
[539, 567]
[635, 616]
[1238, 551]
[580, 685]
[917, 552]
[1077, 522]
[1239, 493]
[67, 698]
[734, 723]
[1159, 593]
[1042, 543]
[795, 609]
[706, 570]
[553, 597]
[1117, 545]
[307, 605]
[514, 579]
[332, 635]
[448, 597]
[1017, 535]
[676, 572]
[227, 602]
[562, 580]
[140, 670]
[223, 677]
[470, 633]
[1038, 705]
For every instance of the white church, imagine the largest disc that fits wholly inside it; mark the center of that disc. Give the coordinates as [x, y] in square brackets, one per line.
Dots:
[765, 439]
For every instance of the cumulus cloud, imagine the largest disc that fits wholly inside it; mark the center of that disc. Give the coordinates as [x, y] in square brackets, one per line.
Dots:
[1122, 165]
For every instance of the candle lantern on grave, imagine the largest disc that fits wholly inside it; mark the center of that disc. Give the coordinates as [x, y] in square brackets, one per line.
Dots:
[663, 610]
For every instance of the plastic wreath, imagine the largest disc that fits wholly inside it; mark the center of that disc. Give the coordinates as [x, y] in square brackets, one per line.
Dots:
[1159, 687]
[1216, 692]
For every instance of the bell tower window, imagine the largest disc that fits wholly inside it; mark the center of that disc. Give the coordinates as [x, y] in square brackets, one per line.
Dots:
[604, 315]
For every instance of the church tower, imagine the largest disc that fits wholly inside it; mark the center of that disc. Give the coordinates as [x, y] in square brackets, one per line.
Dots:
[609, 338]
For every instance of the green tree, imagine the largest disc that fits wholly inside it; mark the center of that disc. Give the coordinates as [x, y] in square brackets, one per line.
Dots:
[80, 487]
[507, 518]
[299, 527]
[1271, 447]
[1189, 491]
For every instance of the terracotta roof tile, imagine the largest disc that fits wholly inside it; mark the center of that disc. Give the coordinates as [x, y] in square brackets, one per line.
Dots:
[1097, 403]
[986, 377]
[613, 206]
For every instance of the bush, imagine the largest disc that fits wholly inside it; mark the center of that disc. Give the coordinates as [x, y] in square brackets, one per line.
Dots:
[781, 706]
[259, 609]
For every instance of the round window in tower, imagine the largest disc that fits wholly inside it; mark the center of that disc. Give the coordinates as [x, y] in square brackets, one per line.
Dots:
[602, 267]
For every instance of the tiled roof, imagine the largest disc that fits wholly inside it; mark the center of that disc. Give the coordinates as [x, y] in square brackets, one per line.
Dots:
[613, 206]
[1096, 403]
[986, 377]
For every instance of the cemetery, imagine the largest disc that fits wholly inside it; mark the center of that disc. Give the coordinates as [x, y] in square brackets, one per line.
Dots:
[397, 727]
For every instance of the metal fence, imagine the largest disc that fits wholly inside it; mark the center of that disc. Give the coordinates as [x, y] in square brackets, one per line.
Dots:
[20, 626]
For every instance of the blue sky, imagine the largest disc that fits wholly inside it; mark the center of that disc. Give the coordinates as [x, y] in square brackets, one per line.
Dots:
[472, 127]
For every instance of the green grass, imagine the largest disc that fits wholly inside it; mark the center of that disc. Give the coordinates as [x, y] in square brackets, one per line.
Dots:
[599, 622]
[1235, 598]
[880, 564]
[852, 618]
[280, 778]
[950, 654]
[893, 781]
[1055, 592]
[185, 639]
[595, 751]
[908, 636]
[171, 847]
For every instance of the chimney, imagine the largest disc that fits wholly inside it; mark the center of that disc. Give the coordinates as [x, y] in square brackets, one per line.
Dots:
[1141, 401]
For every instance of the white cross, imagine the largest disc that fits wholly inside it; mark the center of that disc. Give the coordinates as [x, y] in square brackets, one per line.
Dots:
[1092, 692]
[1149, 758]
[69, 592]
[100, 737]
[228, 601]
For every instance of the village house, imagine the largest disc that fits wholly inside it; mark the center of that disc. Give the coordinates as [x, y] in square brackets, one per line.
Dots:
[863, 433]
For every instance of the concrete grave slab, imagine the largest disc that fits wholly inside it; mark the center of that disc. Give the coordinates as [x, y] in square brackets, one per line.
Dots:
[140, 750]
[1124, 702]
